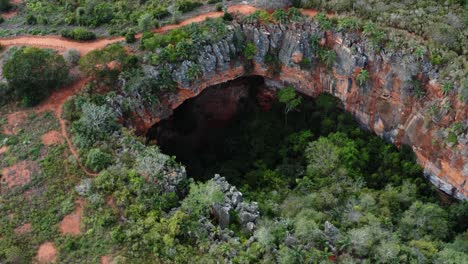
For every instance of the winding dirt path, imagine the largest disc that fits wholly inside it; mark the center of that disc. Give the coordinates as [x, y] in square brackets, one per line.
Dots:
[58, 98]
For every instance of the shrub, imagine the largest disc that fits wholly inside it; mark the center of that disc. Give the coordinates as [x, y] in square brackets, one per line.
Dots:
[95, 123]
[145, 22]
[362, 77]
[185, 6]
[227, 16]
[1, 21]
[374, 33]
[417, 89]
[33, 73]
[130, 37]
[194, 72]
[71, 56]
[447, 87]
[78, 34]
[327, 57]
[31, 19]
[280, 16]
[348, 23]
[98, 160]
[219, 7]
[249, 51]
[323, 21]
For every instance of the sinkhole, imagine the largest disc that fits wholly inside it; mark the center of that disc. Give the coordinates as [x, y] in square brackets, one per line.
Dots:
[236, 127]
[241, 131]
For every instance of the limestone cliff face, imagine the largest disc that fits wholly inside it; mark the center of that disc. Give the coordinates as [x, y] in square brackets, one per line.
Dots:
[385, 105]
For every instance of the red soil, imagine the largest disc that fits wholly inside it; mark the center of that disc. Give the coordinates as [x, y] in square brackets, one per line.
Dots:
[18, 174]
[52, 138]
[3, 149]
[70, 225]
[58, 43]
[13, 121]
[26, 228]
[106, 260]
[47, 253]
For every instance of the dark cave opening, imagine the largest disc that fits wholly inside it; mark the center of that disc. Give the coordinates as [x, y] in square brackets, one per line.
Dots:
[240, 130]
[197, 130]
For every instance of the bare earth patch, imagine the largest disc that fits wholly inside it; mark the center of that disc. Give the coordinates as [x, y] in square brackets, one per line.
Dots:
[105, 260]
[13, 121]
[70, 224]
[47, 253]
[18, 174]
[52, 138]
[3, 149]
[26, 228]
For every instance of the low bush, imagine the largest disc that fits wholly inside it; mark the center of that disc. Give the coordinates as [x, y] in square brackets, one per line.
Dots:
[79, 34]
[98, 160]
[185, 6]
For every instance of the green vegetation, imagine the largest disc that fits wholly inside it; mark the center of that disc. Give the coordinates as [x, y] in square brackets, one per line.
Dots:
[249, 51]
[327, 191]
[33, 73]
[362, 77]
[78, 34]
[290, 99]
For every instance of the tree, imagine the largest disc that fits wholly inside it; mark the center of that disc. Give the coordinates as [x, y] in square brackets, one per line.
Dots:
[424, 221]
[95, 123]
[33, 73]
[322, 157]
[289, 97]
[201, 197]
[145, 22]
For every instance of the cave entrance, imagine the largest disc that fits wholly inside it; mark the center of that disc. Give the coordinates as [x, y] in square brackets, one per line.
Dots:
[239, 127]
[240, 130]
[197, 131]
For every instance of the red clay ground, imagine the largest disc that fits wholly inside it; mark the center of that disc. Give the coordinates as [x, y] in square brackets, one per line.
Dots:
[47, 253]
[52, 138]
[106, 260]
[3, 149]
[23, 229]
[70, 225]
[13, 122]
[18, 174]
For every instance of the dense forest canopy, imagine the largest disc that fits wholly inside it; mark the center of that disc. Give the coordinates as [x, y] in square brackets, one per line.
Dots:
[299, 181]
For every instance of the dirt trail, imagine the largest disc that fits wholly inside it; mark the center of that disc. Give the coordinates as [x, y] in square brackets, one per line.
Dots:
[55, 104]
[58, 43]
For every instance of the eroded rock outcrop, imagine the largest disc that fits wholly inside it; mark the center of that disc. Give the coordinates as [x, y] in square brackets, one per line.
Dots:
[385, 104]
[234, 202]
